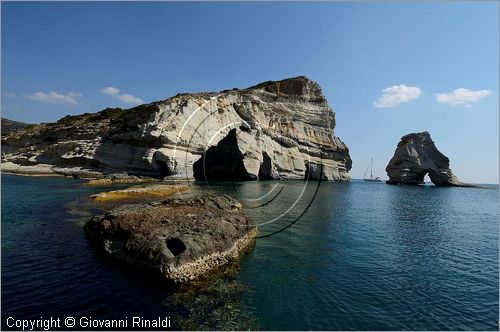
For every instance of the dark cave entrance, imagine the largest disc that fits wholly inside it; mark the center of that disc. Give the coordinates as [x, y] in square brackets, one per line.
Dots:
[167, 167]
[223, 162]
[266, 168]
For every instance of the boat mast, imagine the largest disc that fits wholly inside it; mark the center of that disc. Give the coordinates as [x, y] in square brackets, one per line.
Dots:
[371, 168]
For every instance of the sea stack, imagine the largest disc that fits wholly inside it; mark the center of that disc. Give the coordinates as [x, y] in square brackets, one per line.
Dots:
[177, 239]
[415, 156]
[273, 130]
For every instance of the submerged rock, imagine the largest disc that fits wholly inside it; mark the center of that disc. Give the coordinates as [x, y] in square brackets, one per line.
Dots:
[275, 128]
[113, 180]
[415, 156]
[139, 191]
[179, 239]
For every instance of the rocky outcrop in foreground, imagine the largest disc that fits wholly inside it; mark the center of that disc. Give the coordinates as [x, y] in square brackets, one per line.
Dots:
[276, 129]
[415, 156]
[178, 239]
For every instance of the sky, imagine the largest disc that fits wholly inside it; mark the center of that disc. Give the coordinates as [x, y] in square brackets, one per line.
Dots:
[387, 69]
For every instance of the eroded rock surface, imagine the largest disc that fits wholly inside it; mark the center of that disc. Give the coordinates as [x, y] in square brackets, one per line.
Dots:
[277, 126]
[179, 239]
[415, 156]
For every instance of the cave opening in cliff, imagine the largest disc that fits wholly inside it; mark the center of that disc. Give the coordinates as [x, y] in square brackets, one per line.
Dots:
[165, 168]
[223, 162]
[166, 165]
[266, 167]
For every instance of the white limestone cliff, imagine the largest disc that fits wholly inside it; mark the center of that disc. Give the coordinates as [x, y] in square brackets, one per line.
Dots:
[277, 129]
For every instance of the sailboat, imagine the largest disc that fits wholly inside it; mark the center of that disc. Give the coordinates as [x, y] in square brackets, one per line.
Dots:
[371, 179]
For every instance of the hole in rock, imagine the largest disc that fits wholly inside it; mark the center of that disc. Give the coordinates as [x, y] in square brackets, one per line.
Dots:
[176, 246]
[167, 167]
[223, 162]
[266, 168]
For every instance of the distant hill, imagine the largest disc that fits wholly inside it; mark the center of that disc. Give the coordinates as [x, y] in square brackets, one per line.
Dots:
[9, 126]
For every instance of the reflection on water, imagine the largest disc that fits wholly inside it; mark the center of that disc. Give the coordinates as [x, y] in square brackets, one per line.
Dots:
[362, 256]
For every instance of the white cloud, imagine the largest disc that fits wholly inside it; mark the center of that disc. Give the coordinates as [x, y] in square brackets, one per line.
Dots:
[55, 97]
[397, 94]
[130, 99]
[462, 96]
[125, 97]
[10, 95]
[110, 91]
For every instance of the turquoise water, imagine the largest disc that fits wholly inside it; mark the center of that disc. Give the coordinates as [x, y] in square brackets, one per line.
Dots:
[357, 256]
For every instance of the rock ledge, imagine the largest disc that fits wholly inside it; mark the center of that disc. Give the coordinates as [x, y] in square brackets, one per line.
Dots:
[178, 239]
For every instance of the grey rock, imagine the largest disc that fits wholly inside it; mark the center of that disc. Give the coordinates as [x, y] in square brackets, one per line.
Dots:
[280, 126]
[178, 239]
[415, 156]
[315, 172]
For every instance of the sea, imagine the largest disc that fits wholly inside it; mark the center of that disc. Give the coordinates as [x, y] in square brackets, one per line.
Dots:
[329, 256]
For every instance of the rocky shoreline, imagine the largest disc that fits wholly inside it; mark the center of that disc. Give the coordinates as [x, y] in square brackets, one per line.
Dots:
[178, 239]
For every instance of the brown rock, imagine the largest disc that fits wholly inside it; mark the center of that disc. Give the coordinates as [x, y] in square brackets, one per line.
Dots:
[178, 239]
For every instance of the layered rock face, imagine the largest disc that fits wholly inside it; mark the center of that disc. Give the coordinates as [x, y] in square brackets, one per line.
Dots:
[272, 130]
[415, 156]
[178, 239]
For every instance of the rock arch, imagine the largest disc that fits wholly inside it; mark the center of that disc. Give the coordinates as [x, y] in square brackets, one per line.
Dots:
[415, 156]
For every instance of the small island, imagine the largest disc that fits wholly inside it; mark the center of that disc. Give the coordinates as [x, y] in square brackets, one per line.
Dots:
[415, 156]
[176, 239]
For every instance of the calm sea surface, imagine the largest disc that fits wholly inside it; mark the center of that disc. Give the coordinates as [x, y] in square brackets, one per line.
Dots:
[350, 256]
